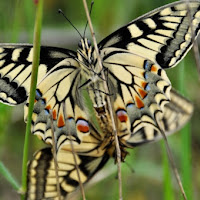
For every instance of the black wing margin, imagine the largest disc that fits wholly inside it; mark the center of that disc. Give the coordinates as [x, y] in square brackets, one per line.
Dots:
[16, 66]
[163, 35]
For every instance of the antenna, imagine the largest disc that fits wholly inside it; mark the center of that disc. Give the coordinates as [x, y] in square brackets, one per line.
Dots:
[61, 12]
[91, 5]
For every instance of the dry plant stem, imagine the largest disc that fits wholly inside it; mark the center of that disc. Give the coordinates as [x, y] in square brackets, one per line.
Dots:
[74, 156]
[174, 168]
[195, 43]
[108, 101]
[54, 156]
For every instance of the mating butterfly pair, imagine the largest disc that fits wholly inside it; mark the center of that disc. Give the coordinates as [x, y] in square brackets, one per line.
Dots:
[134, 58]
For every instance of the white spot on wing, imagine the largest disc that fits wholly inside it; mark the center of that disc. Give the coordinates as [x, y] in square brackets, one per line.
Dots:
[150, 44]
[171, 25]
[168, 33]
[2, 55]
[166, 11]
[134, 30]
[1, 49]
[30, 55]
[132, 47]
[172, 19]
[150, 23]
[158, 38]
[7, 68]
[16, 54]
[2, 62]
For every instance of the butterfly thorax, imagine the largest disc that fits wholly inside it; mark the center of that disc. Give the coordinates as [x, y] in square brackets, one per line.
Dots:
[91, 73]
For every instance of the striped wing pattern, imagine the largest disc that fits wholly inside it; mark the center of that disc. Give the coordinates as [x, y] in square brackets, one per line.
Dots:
[134, 58]
[90, 156]
[163, 35]
[140, 91]
[175, 114]
[15, 69]
[41, 170]
[58, 97]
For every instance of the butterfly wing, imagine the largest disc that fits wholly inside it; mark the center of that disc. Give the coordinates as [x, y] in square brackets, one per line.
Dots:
[58, 79]
[16, 66]
[163, 35]
[139, 89]
[175, 115]
[58, 97]
[134, 57]
[42, 182]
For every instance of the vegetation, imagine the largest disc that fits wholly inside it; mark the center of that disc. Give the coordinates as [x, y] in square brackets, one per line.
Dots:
[152, 177]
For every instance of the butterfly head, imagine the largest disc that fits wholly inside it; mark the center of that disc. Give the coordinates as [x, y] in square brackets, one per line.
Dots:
[84, 51]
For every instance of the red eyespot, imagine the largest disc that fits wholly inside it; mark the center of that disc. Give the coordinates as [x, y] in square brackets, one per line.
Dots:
[122, 115]
[82, 125]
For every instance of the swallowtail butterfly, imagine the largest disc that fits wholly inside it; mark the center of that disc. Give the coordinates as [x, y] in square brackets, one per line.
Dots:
[134, 58]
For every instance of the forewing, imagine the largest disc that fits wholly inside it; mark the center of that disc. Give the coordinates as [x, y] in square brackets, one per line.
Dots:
[163, 36]
[16, 66]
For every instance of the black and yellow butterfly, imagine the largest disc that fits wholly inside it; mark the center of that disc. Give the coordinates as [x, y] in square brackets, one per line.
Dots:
[134, 58]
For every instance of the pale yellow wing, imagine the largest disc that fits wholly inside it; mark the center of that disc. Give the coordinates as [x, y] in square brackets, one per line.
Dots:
[163, 35]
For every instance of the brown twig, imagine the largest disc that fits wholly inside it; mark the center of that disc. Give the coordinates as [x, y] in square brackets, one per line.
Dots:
[118, 151]
[55, 156]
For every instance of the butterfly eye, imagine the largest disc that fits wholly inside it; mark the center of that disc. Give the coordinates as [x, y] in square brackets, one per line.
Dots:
[89, 43]
[80, 45]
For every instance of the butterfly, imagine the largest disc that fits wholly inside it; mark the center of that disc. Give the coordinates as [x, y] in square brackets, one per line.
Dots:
[42, 182]
[134, 60]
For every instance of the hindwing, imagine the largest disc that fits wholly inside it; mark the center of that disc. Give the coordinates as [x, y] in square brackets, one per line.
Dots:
[89, 156]
[139, 89]
[175, 115]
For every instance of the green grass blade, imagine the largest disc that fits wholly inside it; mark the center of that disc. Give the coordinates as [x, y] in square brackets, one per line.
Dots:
[168, 187]
[8, 176]
[185, 142]
[36, 54]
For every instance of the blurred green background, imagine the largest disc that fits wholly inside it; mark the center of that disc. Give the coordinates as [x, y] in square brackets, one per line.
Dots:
[149, 181]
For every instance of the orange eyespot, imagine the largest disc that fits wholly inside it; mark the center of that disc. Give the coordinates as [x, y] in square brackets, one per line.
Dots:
[54, 115]
[122, 115]
[154, 68]
[82, 126]
[139, 102]
[48, 107]
[61, 121]
[142, 93]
